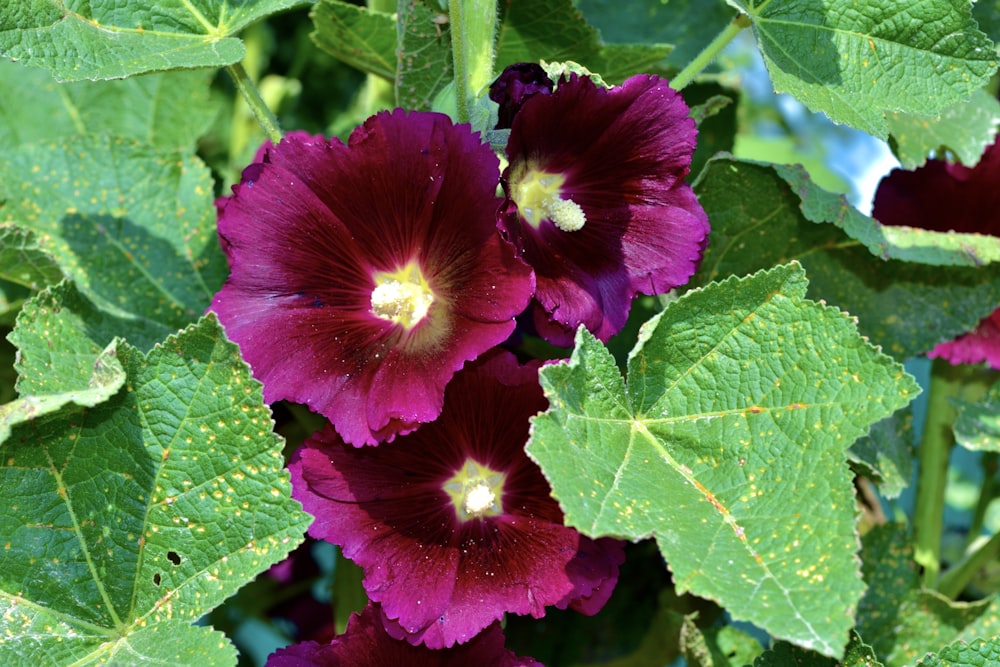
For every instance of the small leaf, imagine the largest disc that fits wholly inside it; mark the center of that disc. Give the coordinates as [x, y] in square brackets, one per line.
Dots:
[892, 577]
[976, 653]
[169, 110]
[977, 425]
[128, 520]
[964, 129]
[746, 381]
[359, 36]
[759, 221]
[113, 40]
[930, 621]
[858, 62]
[133, 227]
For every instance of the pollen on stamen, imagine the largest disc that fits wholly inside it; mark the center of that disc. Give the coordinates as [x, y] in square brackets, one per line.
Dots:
[404, 303]
[565, 214]
[479, 499]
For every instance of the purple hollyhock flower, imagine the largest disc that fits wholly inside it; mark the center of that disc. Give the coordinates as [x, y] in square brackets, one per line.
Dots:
[363, 276]
[453, 524]
[597, 202]
[941, 196]
[365, 643]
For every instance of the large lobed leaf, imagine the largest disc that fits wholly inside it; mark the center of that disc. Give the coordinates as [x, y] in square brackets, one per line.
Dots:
[727, 445]
[133, 226]
[857, 61]
[78, 39]
[126, 521]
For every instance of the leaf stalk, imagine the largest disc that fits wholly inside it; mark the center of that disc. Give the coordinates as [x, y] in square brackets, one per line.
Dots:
[251, 95]
[709, 53]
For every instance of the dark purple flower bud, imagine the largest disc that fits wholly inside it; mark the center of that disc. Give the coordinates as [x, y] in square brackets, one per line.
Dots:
[515, 85]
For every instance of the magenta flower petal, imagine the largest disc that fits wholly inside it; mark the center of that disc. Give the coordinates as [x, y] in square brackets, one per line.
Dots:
[597, 201]
[980, 345]
[941, 196]
[365, 643]
[444, 564]
[363, 276]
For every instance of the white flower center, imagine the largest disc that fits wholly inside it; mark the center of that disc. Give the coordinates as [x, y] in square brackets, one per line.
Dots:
[478, 499]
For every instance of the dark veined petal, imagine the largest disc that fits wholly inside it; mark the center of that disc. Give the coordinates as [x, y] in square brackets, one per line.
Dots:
[363, 276]
[441, 576]
[597, 202]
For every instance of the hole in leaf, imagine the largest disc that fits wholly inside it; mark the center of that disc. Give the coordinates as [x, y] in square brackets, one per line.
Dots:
[174, 557]
[156, 578]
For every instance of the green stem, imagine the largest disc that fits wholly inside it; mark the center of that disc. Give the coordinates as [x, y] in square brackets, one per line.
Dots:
[473, 28]
[935, 447]
[987, 492]
[957, 578]
[251, 95]
[702, 60]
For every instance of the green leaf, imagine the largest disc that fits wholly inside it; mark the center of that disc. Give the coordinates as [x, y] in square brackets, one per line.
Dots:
[425, 65]
[169, 110]
[126, 522]
[885, 455]
[888, 242]
[857, 62]
[115, 40]
[964, 129]
[857, 654]
[977, 653]
[556, 32]
[24, 261]
[987, 15]
[727, 445]
[930, 621]
[759, 221]
[977, 425]
[362, 38]
[891, 575]
[133, 227]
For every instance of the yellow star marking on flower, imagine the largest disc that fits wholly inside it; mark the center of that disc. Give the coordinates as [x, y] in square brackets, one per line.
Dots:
[538, 196]
[475, 491]
[403, 296]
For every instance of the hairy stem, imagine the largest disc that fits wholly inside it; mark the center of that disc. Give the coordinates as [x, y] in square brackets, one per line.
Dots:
[703, 59]
[473, 28]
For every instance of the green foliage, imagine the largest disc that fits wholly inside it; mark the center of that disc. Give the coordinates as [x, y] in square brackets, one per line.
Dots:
[115, 40]
[133, 516]
[900, 620]
[167, 110]
[558, 32]
[362, 38]
[701, 448]
[964, 130]
[856, 62]
[976, 653]
[134, 227]
[763, 215]
[425, 65]
[977, 425]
